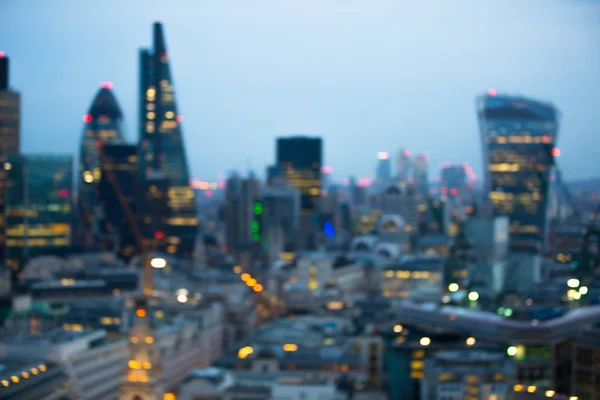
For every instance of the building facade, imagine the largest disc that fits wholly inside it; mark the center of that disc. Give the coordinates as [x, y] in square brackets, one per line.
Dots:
[518, 137]
[161, 143]
[38, 207]
[102, 125]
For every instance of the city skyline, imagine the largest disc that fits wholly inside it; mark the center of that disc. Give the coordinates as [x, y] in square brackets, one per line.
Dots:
[341, 78]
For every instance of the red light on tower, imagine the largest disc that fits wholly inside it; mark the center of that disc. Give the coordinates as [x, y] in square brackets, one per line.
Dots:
[491, 92]
[1, 54]
[87, 118]
[453, 192]
[326, 169]
[406, 153]
[106, 85]
[64, 193]
[556, 152]
[179, 118]
[99, 143]
[159, 235]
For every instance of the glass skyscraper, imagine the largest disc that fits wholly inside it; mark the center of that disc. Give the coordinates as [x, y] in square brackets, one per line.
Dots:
[102, 125]
[38, 207]
[518, 137]
[161, 144]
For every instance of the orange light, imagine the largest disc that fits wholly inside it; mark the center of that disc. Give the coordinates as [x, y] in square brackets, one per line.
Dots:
[251, 282]
[245, 277]
[140, 312]
[258, 288]
[556, 152]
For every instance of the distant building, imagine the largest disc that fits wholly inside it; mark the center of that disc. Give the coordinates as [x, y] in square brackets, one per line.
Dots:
[586, 368]
[421, 173]
[518, 137]
[240, 196]
[300, 160]
[22, 378]
[118, 183]
[161, 143]
[10, 134]
[102, 125]
[404, 166]
[39, 192]
[383, 173]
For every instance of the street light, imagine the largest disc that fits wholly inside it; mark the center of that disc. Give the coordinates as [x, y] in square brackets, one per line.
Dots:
[473, 296]
[158, 263]
[453, 287]
[573, 283]
[583, 290]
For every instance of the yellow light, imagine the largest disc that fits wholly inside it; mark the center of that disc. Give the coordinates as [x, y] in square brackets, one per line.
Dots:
[237, 269]
[5, 383]
[314, 191]
[7, 166]
[258, 288]
[133, 339]
[147, 365]
[470, 341]
[583, 290]
[473, 296]
[88, 177]
[245, 277]
[35, 371]
[150, 115]
[573, 283]
[159, 314]
[573, 398]
[251, 282]
[25, 374]
[149, 339]
[158, 263]
[398, 328]
[133, 364]
[550, 393]
[577, 296]
[169, 114]
[453, 287]
[511, 351]
[15, 379]
[290, 347]
[169, 396]
[425, 341]
[518, 388]
[42, 367]
[531, 389]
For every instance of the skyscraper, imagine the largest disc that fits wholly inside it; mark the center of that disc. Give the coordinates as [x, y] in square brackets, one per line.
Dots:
[421, 173]
[404, 165]
[38, 207]
[118, 183]
[300, 159]
[161, 143]
[518, 137]
[102, 125]
[10, 118]
[384, 167]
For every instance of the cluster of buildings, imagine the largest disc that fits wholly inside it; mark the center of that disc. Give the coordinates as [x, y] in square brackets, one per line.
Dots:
[296, 287]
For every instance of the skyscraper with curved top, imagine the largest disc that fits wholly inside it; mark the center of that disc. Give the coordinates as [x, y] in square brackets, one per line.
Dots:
[102, 125]
[518, 137]
[161, 143]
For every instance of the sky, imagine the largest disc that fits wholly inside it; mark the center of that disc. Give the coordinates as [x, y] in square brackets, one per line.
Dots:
[366, 75]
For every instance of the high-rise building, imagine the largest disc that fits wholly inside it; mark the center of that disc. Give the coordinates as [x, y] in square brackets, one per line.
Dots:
[421, 173]
[38, 206]
[102, 125]
[300, 160]
[10, 118]
[384, 167]
[153, 208]
[240, 196]
[404, 166]
[518, 137]
[161, 143]
[118, 185]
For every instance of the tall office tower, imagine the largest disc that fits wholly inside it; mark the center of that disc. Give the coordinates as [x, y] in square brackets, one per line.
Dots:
[454, 179]
[384, 167]
[518, 137]
[38, 207]
[161, 144]
[300, 159]
[281, 217]
[240, 196]
[404, 166]
[10, 118]
[119, 180]
[153, 207]
[421, 173]
[102, 125]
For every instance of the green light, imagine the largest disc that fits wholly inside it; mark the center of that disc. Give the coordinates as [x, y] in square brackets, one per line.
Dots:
[258, 208]
[256, 237]
[255, 226]
[508, 312]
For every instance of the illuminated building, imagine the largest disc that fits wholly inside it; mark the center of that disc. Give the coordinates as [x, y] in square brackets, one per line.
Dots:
[240, 196]
[153, 209]
[518, 137]
[10, 117]
[300, 160]
[102, 125]
[454, 179]
[161, 143]
[118, 161]
[38, 207]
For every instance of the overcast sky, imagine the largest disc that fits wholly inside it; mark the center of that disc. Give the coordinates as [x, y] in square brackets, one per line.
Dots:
[367, 76]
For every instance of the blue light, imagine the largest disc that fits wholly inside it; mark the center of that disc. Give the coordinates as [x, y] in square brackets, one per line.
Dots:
[328, 229]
